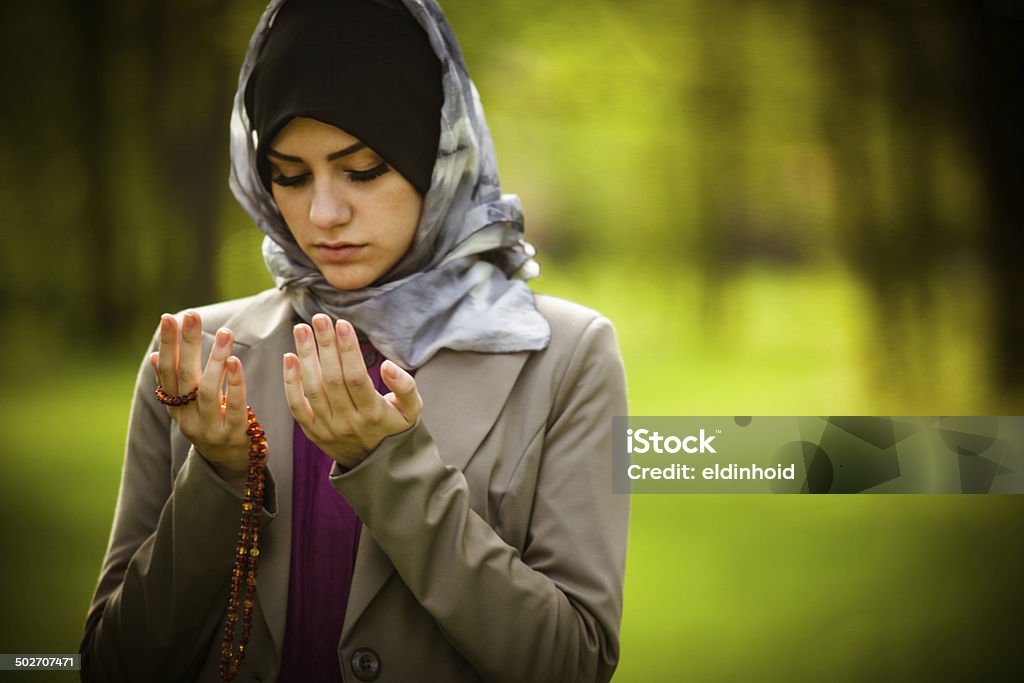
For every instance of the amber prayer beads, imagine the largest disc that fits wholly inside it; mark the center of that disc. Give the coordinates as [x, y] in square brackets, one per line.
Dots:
[247, 553]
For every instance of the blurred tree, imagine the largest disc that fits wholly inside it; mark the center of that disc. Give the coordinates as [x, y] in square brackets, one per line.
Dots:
[89, 57]
[119, 129]
[903, 75]
[885, 237]
[188, 87]
[992, 102]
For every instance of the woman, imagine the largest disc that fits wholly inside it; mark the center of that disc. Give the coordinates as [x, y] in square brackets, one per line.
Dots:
[475, 535]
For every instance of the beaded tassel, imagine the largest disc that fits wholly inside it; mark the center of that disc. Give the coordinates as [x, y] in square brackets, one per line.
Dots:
[247, 553]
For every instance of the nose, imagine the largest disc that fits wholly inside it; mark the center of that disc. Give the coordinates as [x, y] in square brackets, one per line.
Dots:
[329, 206]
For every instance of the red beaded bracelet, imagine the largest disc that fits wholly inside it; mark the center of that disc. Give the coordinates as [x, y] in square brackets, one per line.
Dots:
[170, 400]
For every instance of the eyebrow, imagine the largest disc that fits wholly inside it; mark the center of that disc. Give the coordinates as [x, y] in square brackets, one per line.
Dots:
[330, 157]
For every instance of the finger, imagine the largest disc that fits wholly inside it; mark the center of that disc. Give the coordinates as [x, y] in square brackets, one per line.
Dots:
[330, 365]
[167, 362]
[235, 412]
[309, 369]
[405, 397]
[293, 391]
[212, 380]
[189, 351]
[357, 380]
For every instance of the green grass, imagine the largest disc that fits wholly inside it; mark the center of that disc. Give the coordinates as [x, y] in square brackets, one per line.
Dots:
[719, 588]
[64, 425]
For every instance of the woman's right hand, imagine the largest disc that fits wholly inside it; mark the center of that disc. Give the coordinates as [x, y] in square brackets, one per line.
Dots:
[216, 421]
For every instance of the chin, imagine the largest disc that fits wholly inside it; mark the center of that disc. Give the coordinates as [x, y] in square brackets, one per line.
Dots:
[347, 281]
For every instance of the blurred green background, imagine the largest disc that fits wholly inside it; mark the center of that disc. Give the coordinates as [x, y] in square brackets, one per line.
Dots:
[786, 207]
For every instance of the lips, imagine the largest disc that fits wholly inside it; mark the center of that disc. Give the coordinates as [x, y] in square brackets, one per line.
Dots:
[338, 252]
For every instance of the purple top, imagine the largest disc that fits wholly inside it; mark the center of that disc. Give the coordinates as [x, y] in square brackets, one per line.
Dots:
[325, 538]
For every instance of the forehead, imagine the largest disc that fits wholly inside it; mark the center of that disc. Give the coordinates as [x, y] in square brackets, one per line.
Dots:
[308, 135]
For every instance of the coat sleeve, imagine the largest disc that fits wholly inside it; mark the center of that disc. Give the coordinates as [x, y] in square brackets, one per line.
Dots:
[553, 612]
[163, 585]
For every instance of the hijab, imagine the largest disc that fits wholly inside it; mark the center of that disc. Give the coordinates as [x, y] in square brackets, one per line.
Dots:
[360, 66]
[461, 285]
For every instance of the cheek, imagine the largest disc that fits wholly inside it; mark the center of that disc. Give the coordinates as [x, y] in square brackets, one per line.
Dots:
[291, 209]
[404, 205]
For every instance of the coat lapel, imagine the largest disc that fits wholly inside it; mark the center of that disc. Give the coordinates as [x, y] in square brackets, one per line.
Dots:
[463, 394]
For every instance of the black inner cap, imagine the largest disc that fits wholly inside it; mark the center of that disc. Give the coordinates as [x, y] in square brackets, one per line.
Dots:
[364, 66]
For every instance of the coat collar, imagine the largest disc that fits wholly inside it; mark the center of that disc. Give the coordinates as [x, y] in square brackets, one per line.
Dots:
[453, 385]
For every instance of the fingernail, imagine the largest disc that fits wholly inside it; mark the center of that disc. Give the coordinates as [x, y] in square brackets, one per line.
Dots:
[393, 371]
[188, 321]
[222, 336]
[344, 328]
[322, 322]
[301, 332]
[165, 322]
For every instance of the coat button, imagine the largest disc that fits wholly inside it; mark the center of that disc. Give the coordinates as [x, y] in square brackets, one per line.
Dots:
[369, 358]
[365, 664]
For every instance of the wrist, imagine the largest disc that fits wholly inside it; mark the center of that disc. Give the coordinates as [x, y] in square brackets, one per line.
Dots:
[351, 459]
[232, 477]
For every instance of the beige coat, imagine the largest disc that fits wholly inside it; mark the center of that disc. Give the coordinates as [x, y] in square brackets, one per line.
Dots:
[493, 547]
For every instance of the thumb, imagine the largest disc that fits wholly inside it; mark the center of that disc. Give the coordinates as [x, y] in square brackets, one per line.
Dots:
[405, 396]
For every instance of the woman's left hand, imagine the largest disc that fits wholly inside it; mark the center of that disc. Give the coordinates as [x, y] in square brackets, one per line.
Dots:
[332, 397]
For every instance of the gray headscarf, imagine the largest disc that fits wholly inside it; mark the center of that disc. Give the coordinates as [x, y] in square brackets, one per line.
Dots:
[462, 284]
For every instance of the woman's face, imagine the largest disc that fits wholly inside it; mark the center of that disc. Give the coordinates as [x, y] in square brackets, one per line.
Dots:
[351, 213]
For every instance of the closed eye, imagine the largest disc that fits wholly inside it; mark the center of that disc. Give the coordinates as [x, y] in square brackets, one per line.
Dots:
[355, 176]
[369, 174]
[290, 180]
